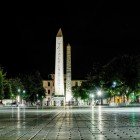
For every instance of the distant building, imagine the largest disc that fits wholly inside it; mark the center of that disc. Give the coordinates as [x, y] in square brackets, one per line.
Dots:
[49, 87]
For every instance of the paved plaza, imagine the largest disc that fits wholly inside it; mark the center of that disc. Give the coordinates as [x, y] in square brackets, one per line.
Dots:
[100, 123]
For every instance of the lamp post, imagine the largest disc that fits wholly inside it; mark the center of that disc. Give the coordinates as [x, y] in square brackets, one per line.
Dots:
[92, 98]
[19, 96]
[42, 101]
[99, 92]
[114, 84]
[37, 98]
[23, 94]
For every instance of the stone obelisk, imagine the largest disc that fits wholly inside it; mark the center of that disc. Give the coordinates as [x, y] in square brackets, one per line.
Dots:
[68, 75]
[59, 69]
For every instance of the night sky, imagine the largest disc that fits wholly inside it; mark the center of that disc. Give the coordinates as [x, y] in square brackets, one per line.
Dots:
[96, 32]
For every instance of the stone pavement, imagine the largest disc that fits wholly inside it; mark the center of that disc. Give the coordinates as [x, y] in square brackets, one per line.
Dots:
[70, 124]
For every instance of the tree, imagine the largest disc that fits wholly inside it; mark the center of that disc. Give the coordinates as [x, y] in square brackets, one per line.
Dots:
[2, 78]
[127, 71]
[34, 86]
[76, 93]
[95, 81]
[79, 92]
[14, 84]
[7, 90]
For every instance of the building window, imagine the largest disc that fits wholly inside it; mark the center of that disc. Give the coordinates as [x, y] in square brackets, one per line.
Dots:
[48, 91]
[48, 83]
[76, 83]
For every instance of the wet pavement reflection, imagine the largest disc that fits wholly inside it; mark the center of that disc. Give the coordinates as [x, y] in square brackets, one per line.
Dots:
[100, 123]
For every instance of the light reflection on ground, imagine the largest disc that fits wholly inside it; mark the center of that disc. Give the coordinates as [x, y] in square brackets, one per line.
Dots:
[98, 122]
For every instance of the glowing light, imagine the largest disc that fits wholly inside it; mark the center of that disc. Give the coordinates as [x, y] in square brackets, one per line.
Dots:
[92, 96]
[99, 92]
[19, 90]
[18, 98]
[114, 84]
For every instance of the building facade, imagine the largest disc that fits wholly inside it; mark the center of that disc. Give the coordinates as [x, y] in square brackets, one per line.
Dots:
[49, 87]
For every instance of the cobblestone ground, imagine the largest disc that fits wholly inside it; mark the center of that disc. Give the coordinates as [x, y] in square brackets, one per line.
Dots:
[65, 124]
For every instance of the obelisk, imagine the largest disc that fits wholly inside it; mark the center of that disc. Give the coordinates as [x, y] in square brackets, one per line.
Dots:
[68, 75]
[59, 67]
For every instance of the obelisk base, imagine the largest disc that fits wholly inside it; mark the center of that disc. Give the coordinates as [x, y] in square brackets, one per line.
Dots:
[59, 101]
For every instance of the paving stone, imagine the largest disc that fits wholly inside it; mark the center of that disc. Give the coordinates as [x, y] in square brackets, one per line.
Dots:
[74, 124]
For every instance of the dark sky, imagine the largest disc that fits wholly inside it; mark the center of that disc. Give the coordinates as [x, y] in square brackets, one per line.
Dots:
[96, 32]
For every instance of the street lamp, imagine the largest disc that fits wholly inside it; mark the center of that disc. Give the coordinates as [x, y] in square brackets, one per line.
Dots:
[19, 90]
[99, 93]
[42, 101]
[19, 96]
[92, 98]
[23, 93]
[114, 84]
[37, 97]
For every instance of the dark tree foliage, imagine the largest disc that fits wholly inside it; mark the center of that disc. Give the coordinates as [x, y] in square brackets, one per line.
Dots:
[7, 90]
[34, 86]
[80, 92]
[13, 85]
[121, 69]
[2, 78]
[124, 69]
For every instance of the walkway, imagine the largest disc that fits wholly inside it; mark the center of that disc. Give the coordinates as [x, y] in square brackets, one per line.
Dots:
[70, 124]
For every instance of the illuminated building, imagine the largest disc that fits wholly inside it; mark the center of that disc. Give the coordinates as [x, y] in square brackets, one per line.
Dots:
[50, 89]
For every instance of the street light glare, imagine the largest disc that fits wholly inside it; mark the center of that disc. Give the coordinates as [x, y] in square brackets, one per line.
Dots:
[99, 93]
[18, 90]
[18, 98]
[92, 96]
[114, 84]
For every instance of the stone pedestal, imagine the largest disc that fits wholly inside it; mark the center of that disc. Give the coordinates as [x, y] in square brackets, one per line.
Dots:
[59, 101]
